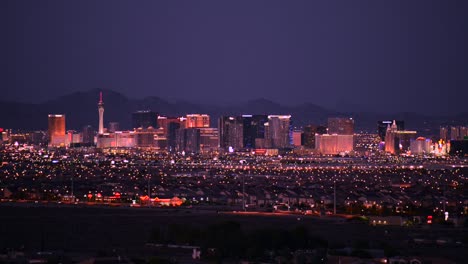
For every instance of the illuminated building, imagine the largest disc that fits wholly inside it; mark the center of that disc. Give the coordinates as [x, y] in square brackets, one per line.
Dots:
[279, 131]
[231, 130]
[397, 142]
[73, 137]
[5, 133]
[253, 128]
[172, 129]
[101, 114]
[113, 126]
[119, 139]
[56, 130]
[124, 139]
[390, 145]
[209, 139]
[454, 133]
[144, 138]
[144, 119]
[458, 132]
[197, 121]
[420, 146]
[106, 140]
[440, 148]
[160, 139]
[382, 127]
[20, 138]
[340, 126]
[333, 144]
[297, 138]
[164, 122]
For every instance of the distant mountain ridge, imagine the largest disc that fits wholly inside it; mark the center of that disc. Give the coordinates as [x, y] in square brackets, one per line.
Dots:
[80, 109]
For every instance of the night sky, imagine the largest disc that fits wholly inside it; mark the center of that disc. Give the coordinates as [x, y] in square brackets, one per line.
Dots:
[353, 55]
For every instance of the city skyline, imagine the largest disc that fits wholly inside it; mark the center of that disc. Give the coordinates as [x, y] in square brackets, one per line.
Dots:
[207, 131]
[81, 107]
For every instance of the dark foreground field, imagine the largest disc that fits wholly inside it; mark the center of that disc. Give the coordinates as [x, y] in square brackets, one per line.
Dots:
[90, 230]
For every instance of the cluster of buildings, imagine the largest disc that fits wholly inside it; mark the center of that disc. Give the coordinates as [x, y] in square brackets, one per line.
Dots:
[261, 134]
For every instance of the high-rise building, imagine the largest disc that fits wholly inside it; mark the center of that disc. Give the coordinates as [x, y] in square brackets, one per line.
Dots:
[119, 139]
[420, 146]
[396, 141]
[297, 138]
[458, 132]
[308, 137]
[188, 140]
[253, 128]
[101, 114]
[454, 133]
[172, 129]
[144, 138]
[209, 139]
[144, 119]
[192, 140]
[197, 121]
[390, 144]
[279, 131]
[88, 135]
[340, 126]
[231, 131]
[56, 130]
[382, 127]
[72, 137]
[163, 122]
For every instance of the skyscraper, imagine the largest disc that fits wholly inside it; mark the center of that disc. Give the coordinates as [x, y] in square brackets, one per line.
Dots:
[297, 137]
[188, 140]
[101, 114]
[253, 128]
[340, 126]
[144, 119]
[144, 138]
[308, 137]
[279, 133]
[56, 130]
[197, 121]
[88, 135]
[172, 129]
[209, 139]
[382, 127]
[164, 122]
[398, 141]
[231, 132]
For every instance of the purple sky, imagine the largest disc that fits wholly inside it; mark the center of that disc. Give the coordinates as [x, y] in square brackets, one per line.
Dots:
[401, 55]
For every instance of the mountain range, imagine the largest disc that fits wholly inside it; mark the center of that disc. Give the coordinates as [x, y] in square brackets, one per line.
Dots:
[80, 109]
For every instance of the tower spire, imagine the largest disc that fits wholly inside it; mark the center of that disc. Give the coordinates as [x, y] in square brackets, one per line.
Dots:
[101, 114]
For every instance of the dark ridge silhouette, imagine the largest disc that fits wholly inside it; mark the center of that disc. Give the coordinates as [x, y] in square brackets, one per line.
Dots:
[80, 109]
